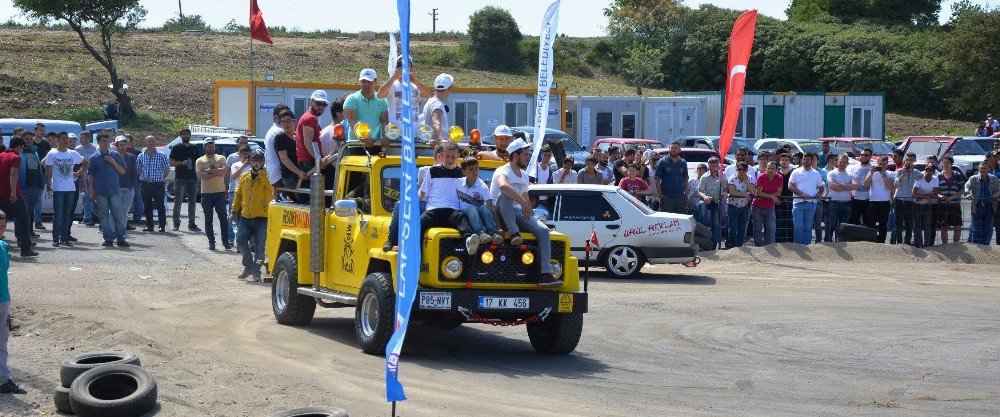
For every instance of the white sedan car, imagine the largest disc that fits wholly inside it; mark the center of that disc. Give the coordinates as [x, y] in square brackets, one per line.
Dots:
[629, 233]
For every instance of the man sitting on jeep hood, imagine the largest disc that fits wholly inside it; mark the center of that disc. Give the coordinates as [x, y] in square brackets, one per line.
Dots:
[443, 207]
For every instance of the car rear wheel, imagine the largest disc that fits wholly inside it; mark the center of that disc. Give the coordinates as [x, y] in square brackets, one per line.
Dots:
[624, 261]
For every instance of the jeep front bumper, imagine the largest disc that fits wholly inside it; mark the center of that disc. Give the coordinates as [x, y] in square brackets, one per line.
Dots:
[499, 303]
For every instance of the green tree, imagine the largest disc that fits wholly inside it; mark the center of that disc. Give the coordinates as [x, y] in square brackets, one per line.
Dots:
[889, 12]
[969, 66]
[642, 66]
[188, 22]
[111, 19]
[494, 40]
[660, 24]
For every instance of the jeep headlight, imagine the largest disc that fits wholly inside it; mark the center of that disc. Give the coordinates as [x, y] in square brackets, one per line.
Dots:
[527, 258]
[451, 268]
[487, 257]
[557, 268]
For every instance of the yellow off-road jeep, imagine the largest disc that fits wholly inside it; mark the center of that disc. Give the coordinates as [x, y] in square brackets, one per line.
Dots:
[330, 253]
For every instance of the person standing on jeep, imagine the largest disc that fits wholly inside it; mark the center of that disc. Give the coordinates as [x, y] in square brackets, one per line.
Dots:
[392, 92]
[443, 205]
[509, 191]
[365, 106]
[182, 157]
[271, 161]
[307, 133]
[211, 170]
[284, 146]
[435, 112]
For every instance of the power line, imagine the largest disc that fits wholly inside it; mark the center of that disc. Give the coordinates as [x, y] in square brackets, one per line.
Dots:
[434, 20]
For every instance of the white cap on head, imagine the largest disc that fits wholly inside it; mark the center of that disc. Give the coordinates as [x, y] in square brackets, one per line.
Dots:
[208, 140]
[367, 74]
[71, 135]
[121, 139]
[319, 95]
[502, 130]
[443, 82]
[517, 145]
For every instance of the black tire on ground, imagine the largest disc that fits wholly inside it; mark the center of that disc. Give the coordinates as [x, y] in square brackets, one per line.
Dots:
[702, 230]
[375, 313]
[704, 244]
[61, 398]
[557, 335]
[623, 261]
[313, 412]
[847, 232]
[75, 365]
[290, 307]
[113, 391]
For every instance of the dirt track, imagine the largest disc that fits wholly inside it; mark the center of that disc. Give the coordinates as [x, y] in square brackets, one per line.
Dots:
[787, 330]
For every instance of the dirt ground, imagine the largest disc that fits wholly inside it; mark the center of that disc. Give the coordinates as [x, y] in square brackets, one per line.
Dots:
[833, 329]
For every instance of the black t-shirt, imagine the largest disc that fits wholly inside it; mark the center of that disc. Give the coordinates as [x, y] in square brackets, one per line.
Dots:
[181, 152]
[43, 148]
[33, 176]
[283, 142]
[618, 171]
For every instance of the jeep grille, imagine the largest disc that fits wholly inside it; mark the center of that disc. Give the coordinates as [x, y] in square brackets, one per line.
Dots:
[506, 267]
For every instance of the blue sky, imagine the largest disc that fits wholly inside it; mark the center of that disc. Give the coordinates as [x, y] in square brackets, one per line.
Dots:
[577, 17]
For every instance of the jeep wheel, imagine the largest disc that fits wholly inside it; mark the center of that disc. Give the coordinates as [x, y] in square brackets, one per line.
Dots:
[557, 335]
[375, 313]
[623, 261]
[289, 306]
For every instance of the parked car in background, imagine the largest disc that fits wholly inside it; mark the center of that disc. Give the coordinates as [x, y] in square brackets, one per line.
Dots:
[561, 144]
[225, 145]
[922, 146]
[712, 142]
[854, 146]
[798, 145]
[7, 126]
[968, 154]
[629, 233]
[604, 144]
[693, 157]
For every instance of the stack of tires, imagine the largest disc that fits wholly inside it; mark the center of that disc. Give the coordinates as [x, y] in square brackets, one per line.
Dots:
[703, 237]
[105, 384]
[847, 232]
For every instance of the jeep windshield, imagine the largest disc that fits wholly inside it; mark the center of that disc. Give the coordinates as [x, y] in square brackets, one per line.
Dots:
[390, 184]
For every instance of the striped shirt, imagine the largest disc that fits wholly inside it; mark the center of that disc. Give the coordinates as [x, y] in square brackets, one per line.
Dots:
[951, 187]
[151, 167]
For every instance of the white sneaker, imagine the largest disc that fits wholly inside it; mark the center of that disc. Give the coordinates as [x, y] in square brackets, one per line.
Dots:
[472, 244]
[485, 238]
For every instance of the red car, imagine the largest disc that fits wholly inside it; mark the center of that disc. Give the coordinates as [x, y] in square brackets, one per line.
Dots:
[625, 143]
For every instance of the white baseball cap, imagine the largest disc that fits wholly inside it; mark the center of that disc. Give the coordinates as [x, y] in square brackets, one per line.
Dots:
[502, 130]
[319, 95]
[367, 74]
[517, 145]
[206, 140]
[71, 135]
[121, 139]
[443, 82]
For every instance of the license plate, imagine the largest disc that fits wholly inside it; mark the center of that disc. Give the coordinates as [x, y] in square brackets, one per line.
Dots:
[517, 303]
[435, 301]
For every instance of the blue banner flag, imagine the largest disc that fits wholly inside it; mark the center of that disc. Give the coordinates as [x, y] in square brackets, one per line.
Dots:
[408, 271]
[546, 38]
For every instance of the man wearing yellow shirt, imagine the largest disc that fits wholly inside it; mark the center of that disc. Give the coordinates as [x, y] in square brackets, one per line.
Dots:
[253, 194]
[211, 169]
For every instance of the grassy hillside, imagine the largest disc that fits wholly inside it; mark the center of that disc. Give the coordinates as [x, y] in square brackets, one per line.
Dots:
[46, 73]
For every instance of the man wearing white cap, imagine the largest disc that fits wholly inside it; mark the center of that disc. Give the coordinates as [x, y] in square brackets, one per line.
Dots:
[307, 132]
[392, 92]
[365, 106]
[502, 136]
[435, 111]
[509, 191]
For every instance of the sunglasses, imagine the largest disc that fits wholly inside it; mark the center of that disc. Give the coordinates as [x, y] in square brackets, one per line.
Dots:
[320, 104]
[283, 121]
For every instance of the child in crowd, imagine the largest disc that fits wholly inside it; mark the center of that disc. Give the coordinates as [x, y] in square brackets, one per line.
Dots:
[8, 386]
[475, 201]
[635, 185]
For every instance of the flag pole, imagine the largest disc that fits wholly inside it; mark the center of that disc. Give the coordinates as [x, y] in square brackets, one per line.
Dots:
[251, 122]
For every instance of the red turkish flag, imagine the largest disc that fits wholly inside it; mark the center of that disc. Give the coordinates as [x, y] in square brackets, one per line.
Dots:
[258, 30]
[740, 45]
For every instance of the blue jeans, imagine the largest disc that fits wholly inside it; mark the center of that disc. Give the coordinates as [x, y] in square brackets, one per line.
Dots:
[138, 208]
[31, 197]
[36, 211]
[393, 234]
[764, 225]
[481, 219]
[62, 214]
[515, 222]
[822, 207]
[233, 225]
[88, 208]
[738, 219]
[840, 212]
[803, 213]
[128, 196]
[109, 209]
[712, 221]
[981, 231]
[215, 202]
[252, 229]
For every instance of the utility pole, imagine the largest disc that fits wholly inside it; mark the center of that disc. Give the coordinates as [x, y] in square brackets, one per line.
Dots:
[179, 9]
[434, 19]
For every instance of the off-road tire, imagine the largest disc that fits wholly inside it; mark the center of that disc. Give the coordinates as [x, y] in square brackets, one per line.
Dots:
[847, 232]
[299, 309]
[704, 244]
[373, 333]
[61, 398]
[75, 365]
[113, 391]
[557, 335]
[702, 230]
[313, 412]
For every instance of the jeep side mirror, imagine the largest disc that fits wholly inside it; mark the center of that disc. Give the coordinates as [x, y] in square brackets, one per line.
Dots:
[345, 208]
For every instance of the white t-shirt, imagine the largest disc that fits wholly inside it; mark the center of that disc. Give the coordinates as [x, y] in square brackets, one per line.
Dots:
[395, 103]
[841, 178]
[923, 186]
[520, 184]
[542, 174]
[571, 177]
[809, 182]
[878, 191]
[62, 174]
[441, 187]
[751, 172]
[472, 196]
[271, 162]
[421, 174]
[235, 167]
[433, 104]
